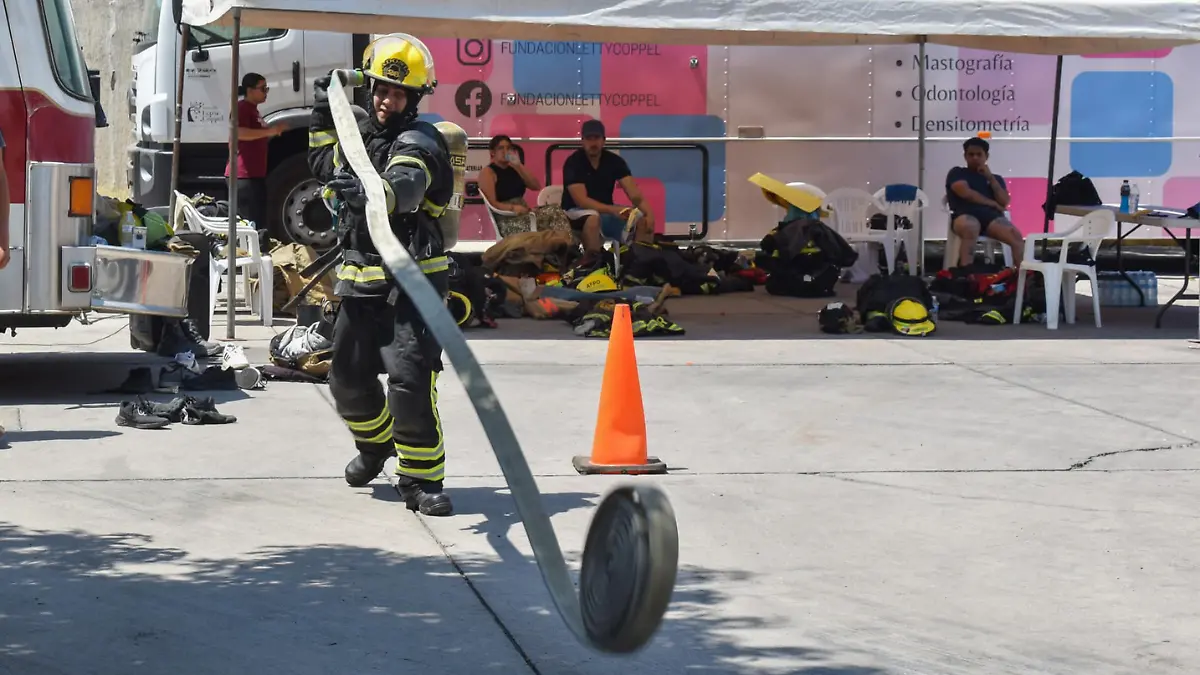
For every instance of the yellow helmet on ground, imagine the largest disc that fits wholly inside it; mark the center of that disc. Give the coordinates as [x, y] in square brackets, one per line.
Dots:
[596, 282]
[910, 317]
[402, 60]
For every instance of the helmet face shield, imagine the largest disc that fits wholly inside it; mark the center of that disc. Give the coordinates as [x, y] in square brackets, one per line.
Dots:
[401, 60]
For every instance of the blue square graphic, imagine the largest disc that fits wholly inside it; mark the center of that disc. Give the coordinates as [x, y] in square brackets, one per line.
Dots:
[548, 68]
[1122, 104]
[680, 170]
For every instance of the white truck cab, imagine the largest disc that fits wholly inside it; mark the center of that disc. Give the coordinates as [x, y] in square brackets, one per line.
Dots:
[48, 118]
[289, 60]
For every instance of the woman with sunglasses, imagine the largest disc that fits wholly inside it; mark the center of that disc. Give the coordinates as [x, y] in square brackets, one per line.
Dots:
[253, 138]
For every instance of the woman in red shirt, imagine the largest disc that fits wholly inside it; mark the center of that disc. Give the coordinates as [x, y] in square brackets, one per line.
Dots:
[253, 138]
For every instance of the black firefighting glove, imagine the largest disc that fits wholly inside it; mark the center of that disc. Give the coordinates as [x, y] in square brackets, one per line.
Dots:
[321, 92]
[349, 189]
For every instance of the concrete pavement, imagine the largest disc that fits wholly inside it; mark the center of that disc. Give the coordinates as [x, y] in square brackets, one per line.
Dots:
[996, 500]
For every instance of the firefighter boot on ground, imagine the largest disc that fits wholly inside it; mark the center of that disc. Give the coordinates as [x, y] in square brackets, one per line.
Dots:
[364, 468]
[425, 496]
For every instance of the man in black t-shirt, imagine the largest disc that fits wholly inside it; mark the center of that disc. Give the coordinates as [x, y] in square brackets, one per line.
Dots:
[590, 176]
[978, 199]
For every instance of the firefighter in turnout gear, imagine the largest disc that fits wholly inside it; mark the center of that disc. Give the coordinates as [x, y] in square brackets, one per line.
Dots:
[378, 330]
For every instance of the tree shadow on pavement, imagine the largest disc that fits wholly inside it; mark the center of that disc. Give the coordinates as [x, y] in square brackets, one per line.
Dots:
[76, 602]
[696, 636]
[83, 380]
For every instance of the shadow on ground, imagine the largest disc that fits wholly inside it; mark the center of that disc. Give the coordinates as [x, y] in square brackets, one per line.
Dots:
[118, 603]
[695, 637]
[82, 379]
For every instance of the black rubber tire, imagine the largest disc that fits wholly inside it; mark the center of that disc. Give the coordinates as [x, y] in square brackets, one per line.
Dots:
[289, 174]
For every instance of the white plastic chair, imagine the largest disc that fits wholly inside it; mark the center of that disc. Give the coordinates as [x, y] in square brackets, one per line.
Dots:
[255, 264]
[1060, 276]
[493, 212]
[954, 243]
[551, 194]
[851, 216]
[911, 211]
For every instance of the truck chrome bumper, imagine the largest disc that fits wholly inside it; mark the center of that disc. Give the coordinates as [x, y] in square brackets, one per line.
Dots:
[133, 281]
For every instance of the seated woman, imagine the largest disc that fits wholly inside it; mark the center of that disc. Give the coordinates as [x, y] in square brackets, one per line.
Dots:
[504, 182]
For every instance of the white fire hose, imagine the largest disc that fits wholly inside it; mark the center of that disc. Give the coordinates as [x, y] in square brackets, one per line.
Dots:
[631, 554]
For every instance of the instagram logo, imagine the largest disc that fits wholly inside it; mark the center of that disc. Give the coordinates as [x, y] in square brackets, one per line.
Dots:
[474, 52]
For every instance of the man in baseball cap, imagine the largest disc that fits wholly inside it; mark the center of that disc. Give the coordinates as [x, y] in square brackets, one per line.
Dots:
[590, 176]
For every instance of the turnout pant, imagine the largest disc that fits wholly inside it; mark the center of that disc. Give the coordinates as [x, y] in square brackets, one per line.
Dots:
[372, 337]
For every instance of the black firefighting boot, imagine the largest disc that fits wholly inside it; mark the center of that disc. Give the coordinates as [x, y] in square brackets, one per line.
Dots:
[425, 496]
[364, 468]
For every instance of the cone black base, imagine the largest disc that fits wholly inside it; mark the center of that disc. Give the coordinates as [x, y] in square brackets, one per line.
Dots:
[584, 465]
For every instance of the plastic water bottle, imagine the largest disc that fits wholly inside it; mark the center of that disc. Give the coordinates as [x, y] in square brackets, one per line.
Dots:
[933, 311]
[1134, 198]
[1125, 189]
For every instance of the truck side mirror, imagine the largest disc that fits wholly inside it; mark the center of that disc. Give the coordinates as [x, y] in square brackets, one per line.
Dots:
[94, 83]
[177, 11]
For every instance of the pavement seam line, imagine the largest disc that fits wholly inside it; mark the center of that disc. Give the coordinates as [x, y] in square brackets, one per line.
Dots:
[512, 639]
[1123, 418]
[1084, 462]
[676, 474]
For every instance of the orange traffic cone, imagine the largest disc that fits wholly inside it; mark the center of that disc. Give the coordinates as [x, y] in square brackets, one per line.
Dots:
[619, 446]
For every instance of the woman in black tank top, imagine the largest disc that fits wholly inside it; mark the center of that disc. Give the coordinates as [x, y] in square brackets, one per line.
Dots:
[504, 183]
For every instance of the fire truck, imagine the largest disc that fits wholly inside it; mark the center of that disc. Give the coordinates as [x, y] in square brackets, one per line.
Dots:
[48, 115]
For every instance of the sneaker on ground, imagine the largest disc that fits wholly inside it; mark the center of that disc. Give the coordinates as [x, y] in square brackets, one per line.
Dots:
[135, 416]
[188, 361]
[234, 357]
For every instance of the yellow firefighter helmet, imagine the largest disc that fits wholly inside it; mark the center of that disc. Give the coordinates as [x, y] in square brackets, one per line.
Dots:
[597, 282]
[402, 60]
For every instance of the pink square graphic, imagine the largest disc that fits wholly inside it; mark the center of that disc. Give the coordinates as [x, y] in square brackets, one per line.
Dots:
[1027, 90]
[1152, 54]
[1028, 195]
[552, 126]
[640, 79]
[1181, 192]
[460, 60]
[474, 224]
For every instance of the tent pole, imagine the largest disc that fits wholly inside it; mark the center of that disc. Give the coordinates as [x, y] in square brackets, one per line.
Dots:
[231, 249]
[1053, 151]
[180, 74]
[920, 224]
[1053, 145]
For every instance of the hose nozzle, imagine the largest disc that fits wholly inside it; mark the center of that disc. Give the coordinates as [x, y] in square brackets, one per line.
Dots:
[350, 77]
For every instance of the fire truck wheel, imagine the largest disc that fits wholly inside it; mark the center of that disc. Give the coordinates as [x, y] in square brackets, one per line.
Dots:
[297, 214]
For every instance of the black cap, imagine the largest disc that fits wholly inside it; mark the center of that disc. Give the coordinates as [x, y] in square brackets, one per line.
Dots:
[592, 128]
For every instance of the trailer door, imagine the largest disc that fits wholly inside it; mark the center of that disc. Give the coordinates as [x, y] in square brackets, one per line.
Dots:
[270, 52]
[13, 123]
[323, 52]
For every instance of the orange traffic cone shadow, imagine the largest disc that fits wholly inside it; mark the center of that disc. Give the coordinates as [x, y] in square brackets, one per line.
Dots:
[619, 446]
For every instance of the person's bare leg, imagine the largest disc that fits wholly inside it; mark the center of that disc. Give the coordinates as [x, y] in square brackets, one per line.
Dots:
[592, 242]
[1005, 232]
[967, 229]
[644, 232]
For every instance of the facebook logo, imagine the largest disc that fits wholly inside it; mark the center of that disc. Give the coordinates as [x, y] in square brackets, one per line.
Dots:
[473, 98]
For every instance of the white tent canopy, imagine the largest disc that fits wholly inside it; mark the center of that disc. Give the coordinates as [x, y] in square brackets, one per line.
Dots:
[1026, 26]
